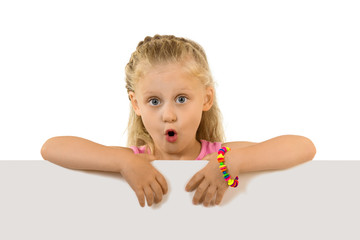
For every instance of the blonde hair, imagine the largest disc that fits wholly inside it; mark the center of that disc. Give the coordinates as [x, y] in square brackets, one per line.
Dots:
[162, 49]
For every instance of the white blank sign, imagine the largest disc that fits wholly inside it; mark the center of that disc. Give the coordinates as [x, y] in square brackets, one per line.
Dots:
[315, 200]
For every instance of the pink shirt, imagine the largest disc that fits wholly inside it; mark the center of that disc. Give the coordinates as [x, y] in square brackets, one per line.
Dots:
[206, 148]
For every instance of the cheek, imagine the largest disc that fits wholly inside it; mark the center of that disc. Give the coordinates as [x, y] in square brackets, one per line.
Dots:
[149, 119]
[193, 118]
[146, 117]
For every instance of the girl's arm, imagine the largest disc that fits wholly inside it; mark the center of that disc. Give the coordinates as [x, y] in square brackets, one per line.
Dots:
[277, 153]
[82, 154]
[79, 153]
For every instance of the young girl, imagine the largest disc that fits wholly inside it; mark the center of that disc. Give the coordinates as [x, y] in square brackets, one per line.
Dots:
[175, 116]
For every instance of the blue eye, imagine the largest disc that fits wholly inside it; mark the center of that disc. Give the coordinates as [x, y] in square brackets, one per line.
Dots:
[156, 102]
[183, 99]
[153, 100]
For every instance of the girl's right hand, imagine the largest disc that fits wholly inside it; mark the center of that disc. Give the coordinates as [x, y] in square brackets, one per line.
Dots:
[144, 179]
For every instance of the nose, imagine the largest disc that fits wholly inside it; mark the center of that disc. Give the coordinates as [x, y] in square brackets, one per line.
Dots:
[169, 114]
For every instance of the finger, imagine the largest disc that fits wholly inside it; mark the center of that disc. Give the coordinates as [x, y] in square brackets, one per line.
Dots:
[194, 182]
[220, 194]
[141, 198]
[209, 195]
[199, 192]
[157, 190]
[149, 195]
[160, 178]
[203, 196]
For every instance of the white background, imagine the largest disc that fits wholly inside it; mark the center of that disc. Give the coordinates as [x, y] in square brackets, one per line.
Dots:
[282, 67]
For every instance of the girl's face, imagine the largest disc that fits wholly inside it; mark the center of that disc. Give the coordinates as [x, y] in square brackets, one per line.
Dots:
[169, 98]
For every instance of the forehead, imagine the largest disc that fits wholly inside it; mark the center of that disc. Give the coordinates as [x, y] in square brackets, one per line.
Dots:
[168, 77]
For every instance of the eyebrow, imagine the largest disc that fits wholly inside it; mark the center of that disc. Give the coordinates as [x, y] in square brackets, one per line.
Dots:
[154, 92]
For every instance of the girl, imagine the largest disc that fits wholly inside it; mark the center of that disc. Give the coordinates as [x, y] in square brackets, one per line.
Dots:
[175, 116]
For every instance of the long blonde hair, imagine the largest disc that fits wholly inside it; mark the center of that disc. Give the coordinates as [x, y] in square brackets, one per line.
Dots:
[170, 49]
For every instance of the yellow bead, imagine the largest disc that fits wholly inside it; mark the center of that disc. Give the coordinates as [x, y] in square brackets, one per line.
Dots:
[220, 156]
[230, 182]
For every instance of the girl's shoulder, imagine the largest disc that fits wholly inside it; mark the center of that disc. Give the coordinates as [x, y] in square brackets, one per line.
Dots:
[141, 149]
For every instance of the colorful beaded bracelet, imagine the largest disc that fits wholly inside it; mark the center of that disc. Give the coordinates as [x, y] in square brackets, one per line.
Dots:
[231, 182]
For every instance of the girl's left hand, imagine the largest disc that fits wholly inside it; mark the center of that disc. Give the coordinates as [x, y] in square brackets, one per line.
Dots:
[210, 181]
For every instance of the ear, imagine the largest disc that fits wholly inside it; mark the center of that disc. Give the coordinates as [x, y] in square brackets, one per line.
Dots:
[208, 98]
[134, 103]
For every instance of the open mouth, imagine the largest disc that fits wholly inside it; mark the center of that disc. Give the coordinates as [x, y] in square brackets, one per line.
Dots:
[171, 135]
